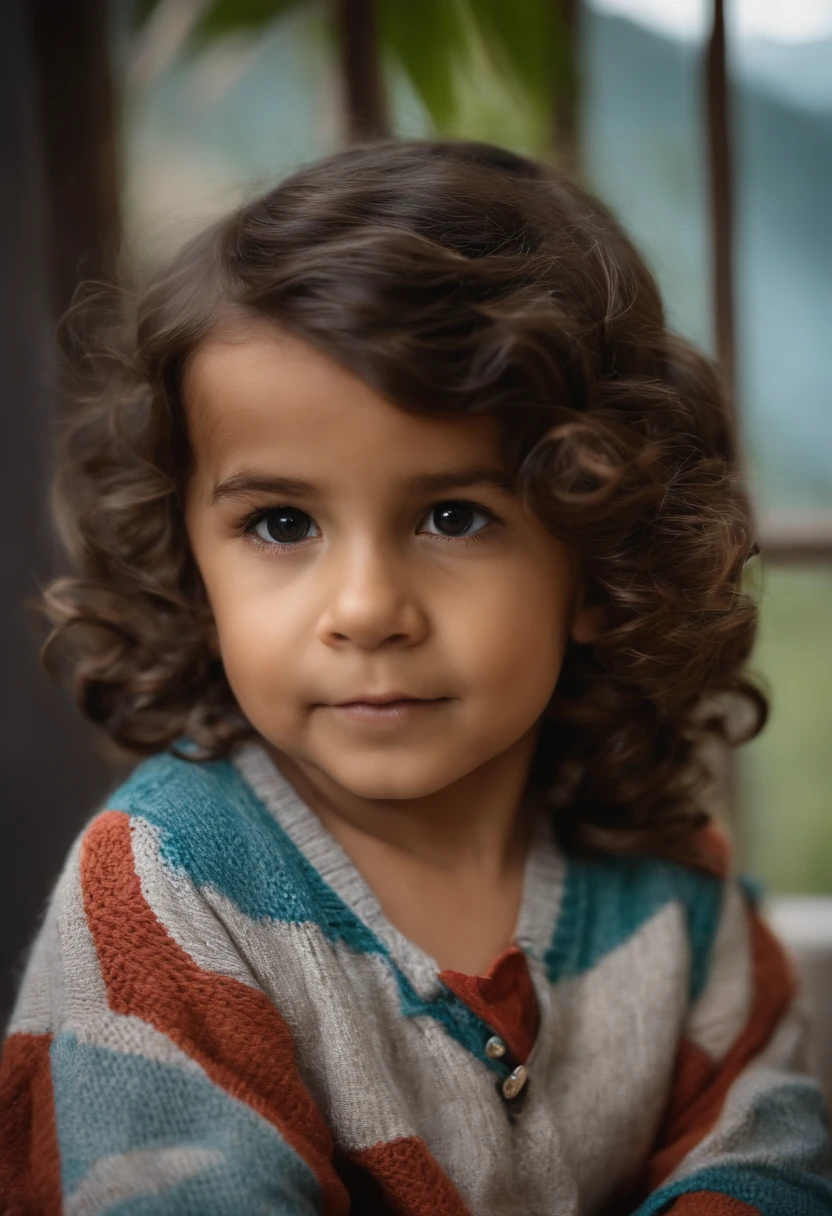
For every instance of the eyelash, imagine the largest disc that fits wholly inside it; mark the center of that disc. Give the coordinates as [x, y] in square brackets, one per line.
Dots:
[249, 523]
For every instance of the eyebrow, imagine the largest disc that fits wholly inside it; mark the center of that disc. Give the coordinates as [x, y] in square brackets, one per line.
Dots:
[250, 481]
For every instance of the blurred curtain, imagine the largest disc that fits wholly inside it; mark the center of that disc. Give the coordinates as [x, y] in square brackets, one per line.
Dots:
[50, 778]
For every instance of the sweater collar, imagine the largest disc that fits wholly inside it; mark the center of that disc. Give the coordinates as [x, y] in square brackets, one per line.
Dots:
[542, 884]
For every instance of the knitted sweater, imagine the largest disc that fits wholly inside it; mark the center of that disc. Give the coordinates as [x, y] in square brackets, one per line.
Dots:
[218, 1019]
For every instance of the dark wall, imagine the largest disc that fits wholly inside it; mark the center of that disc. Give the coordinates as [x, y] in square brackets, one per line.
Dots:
[50, 777]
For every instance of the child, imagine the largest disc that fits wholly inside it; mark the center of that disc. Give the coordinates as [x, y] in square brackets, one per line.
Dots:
[409, 551]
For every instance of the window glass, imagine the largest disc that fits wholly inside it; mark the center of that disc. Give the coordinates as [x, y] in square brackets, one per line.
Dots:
[785, 776]
[782, 68]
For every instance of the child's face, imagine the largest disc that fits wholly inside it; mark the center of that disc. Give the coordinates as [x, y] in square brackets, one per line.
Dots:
[382, 558]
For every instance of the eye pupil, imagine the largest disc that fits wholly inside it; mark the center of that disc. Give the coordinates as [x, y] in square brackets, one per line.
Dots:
[453, 518]
[287, 525]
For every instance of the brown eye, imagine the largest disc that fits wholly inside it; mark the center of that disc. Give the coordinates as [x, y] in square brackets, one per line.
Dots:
[285, 526]
[456, 519]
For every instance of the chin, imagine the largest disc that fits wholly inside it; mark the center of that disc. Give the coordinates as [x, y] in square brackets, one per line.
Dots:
[389, 779]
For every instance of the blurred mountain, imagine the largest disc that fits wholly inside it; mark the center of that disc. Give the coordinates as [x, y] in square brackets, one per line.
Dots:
[800, 74]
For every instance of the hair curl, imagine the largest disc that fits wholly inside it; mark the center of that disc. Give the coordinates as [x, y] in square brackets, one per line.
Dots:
[451, 277]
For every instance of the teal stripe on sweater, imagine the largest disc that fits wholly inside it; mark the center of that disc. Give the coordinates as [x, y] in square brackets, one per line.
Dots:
[785, 1125]
[773, 1191]
[607, 900]
[109, 1103]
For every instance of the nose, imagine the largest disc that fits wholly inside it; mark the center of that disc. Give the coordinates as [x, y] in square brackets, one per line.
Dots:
[371, 602]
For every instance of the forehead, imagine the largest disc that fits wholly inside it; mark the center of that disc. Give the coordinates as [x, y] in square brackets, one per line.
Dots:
[263, 397]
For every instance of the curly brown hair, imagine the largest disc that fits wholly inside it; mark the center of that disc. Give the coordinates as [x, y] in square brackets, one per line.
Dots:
[451, 277]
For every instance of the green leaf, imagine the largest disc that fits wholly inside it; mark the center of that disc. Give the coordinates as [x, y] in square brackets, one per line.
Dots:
[140, 11]
[427, 38]
[531, 39]
[225, 17]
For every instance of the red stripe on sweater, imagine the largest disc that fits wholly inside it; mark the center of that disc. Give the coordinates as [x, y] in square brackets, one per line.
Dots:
[413, 1182]
[30, 1165]
[233, 1031]
[709, 1203]
[504, 998]
[700, 1086]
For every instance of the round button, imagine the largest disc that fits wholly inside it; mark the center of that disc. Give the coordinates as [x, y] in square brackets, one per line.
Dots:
[495, 1048]
[514, 1082]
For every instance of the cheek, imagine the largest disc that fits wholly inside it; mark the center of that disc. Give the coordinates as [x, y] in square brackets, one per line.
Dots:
[261, 639]
[512, 644]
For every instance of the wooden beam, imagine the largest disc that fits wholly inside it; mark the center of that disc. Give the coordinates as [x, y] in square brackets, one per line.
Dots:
[565, 58]
[721, 197]
[796, 537]
[70, 52]
[364, 103]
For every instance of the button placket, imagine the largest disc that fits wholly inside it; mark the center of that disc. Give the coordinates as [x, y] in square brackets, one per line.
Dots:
[513, 1087]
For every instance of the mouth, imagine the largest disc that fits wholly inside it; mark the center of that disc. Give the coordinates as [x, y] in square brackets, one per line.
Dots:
[384, 698]
[387, 707]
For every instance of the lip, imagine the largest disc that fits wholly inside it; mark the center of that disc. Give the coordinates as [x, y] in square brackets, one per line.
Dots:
[384, 698]
[387, 709]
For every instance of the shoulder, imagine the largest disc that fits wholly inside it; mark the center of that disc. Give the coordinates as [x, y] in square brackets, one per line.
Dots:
[200, 825]
[637, 903]
[182, 795]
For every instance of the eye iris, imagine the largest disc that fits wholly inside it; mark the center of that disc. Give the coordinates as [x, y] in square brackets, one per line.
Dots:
[453, 518]
[287, 525]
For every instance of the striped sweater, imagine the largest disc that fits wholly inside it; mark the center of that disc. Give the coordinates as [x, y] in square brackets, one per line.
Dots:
[216, 1018]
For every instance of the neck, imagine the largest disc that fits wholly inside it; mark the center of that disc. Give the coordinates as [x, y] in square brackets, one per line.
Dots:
[480, 822]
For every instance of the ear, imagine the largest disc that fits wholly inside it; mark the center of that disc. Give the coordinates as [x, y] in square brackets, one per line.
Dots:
[588, 620]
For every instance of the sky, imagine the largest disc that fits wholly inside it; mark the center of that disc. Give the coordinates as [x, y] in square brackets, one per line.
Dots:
[787, 21]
